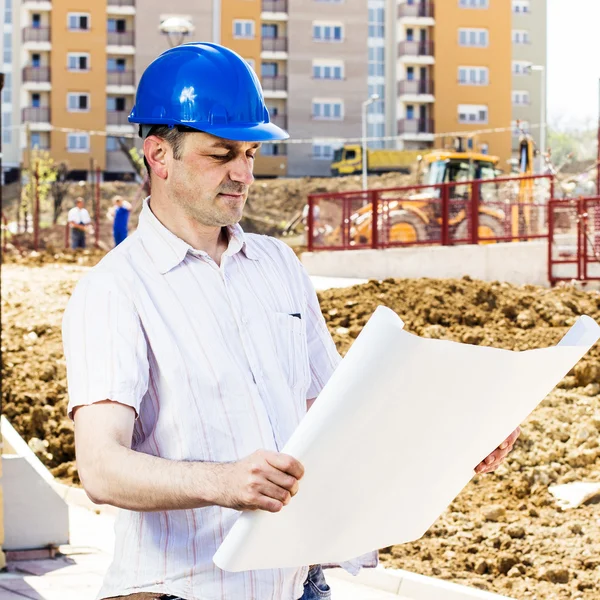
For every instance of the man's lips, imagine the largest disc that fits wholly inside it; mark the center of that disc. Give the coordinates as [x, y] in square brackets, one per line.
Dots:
[231, 195]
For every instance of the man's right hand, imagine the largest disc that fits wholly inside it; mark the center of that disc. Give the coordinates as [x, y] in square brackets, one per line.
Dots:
[262, 481]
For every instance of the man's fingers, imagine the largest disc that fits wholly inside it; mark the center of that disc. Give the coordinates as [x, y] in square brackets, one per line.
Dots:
[511, 439]
[275, 492]
[286, 464]
[287, 482]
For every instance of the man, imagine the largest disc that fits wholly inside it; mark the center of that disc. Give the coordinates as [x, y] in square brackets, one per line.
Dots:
[79, 219]
[194, 350]
[119, 215]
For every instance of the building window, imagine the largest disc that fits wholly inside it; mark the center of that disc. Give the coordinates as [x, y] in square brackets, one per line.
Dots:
[116, 25]
[8, 12]
[472, 113]
[478, 38]
[521, 6]
[519, 127]
[115, 103]
[376, 22]
[521, 67]
[78, 102]
[410, 34]
[269, 69]
[78, 61]
[473, 75]
[8, 46]
[36, 100]
[328, 70]
[78, 142]
[36, 140]
[36, 60]
[376, 89]
[115, 64]
[251, 62]
[474, 3]
[36, 21]
[78, 21]
[520, 36]
[271, 150]
[7, 89]
[520, 98]
[328, 109]
[243, 29]
[269, 31]
[323, 150]
[410, 112]
[6, 127]
[328, 32]
[377, 61]
[112, 144]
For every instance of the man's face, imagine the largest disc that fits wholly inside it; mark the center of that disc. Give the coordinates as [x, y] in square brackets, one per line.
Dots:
[211, 180]
[79, 203]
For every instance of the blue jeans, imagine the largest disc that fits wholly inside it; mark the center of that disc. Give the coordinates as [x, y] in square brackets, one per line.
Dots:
[315, 586]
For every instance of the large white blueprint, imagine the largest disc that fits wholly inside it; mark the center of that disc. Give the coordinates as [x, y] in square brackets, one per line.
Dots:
[393, 438]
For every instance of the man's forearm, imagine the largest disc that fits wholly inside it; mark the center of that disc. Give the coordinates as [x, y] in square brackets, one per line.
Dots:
[137, 481]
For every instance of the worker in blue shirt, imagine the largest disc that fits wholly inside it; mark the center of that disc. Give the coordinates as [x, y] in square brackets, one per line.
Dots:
[119, 215]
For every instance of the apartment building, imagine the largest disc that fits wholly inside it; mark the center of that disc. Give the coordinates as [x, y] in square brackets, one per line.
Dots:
[529, 37]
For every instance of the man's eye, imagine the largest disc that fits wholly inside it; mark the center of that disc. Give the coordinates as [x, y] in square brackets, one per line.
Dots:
[219, 156]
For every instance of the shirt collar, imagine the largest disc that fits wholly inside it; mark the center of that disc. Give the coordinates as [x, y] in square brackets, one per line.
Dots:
[167, 250]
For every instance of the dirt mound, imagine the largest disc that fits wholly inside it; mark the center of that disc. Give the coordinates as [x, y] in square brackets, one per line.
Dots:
[504, 533]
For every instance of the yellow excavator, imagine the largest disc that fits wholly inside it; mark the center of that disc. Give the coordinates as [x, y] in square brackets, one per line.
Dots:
[417, 218]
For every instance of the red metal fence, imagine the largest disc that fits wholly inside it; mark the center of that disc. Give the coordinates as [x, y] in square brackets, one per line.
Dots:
[574, 240]
[467, 212]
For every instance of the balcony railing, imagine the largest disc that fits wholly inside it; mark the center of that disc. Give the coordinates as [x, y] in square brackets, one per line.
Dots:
[279, 120]
[120, 78]
[415, 48]
[415, 126]
[120, 38]
[120, 2]
[419, 9]
[36, 114]
[278, 44]
[36, 74]
[117, 117]
[274, 5]
[36, 34]
[274, 83]
[415, 86]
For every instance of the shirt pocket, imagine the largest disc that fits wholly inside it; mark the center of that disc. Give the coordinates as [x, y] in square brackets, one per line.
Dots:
[291, 348]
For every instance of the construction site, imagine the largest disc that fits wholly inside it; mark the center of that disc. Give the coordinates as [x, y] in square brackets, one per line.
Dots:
[505, 533]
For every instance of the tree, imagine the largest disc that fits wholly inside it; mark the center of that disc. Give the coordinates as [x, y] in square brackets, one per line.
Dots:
[59, 189]
[41, 171]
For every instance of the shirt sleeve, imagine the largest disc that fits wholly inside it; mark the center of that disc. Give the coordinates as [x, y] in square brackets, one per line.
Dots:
[104, 343]
[322, 354]
[85, 217]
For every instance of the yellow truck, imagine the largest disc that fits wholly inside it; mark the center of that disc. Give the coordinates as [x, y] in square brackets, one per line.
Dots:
[348, 160]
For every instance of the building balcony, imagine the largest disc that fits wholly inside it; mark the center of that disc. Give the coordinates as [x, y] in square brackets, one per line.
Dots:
[120, 78]
[274, 83]
[117, 117]
[419, 9]
[36, 75]
[278, 44]
[120, 2]
[36, 114]
[414, 87]
[415, 126]
[279, 120]
[36, 34]
[415, 48]
[274, 6]
[120, 38]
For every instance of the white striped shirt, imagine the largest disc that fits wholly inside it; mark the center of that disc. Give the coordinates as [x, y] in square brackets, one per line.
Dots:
[217, 361]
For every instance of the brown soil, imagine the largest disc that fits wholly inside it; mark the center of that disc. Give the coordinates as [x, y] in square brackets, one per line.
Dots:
[504, 532]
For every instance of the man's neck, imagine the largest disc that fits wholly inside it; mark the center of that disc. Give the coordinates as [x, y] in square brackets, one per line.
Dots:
[212, 240]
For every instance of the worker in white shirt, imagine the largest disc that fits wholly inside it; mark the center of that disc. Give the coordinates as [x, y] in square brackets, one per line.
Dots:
[79, 219]
[194, 349]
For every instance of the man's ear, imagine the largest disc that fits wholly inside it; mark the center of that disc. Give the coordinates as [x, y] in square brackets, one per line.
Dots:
[156, 151]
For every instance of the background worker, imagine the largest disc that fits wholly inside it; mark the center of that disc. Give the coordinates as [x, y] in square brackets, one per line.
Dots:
[119, 215]
[78, 219]
[194, 350]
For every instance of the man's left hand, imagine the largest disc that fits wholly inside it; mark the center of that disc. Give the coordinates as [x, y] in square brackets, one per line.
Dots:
[496, 458]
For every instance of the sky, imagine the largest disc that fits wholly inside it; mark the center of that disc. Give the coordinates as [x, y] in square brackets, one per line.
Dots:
[573, 62]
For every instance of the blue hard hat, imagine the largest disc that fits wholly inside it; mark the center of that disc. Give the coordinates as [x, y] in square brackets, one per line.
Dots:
[206, 87]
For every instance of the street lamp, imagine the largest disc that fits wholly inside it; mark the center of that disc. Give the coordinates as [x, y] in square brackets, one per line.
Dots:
[176, 28]
[365, 105]
[542, 70]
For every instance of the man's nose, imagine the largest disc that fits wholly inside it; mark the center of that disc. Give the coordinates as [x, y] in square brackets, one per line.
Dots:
[241, 170]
